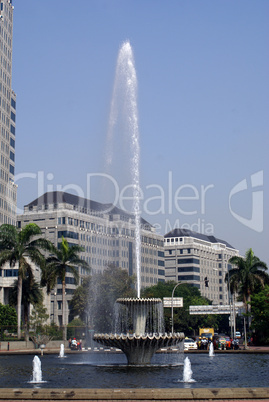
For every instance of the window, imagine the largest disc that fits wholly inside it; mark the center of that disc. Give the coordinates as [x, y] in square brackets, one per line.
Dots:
[188, 278]
[12, 156]
[188, 260]
[13, 103]
[12, 143]
[12, 129]
[188, 269]
[13, 116]
[11, 169]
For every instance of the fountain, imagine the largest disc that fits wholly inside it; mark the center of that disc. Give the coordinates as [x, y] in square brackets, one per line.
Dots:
[137, 340]
[211, 350]
[187, 371]
[37, 372]
[61, 354]
[140, 333]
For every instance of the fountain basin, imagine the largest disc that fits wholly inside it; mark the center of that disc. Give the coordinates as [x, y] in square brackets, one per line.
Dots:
[139, 349]
[139, 330]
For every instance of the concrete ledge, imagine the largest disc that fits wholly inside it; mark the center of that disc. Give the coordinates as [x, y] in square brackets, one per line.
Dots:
[167, 394]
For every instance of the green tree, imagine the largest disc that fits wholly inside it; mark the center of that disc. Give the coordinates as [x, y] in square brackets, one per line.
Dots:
[21, 248]
[8, 315]
[61, 261]
[76, 328]
[183, 321]
[31, 294]
[79, 305]
[105, 289]
[246, 277]
[38, 317]
[260, 313]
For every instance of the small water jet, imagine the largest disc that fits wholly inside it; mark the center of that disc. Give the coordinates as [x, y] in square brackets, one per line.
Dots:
[37, 372]
[187, 371]
[211, 350]
[61, 354]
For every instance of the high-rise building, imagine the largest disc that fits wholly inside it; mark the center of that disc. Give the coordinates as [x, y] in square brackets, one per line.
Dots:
[199, 260]
[106, 233]
[8, 189]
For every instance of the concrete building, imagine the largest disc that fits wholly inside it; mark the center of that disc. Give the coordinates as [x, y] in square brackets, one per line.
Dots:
[106, 233]
[200, 260]
[8, 190]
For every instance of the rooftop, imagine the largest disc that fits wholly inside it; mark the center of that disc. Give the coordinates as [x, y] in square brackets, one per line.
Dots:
[83, 204]
[189, 233]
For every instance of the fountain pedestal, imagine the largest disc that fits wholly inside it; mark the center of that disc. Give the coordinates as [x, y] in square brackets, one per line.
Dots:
[139, 342]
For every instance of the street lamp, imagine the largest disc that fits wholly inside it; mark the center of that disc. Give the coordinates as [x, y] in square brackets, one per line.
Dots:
[172, 307]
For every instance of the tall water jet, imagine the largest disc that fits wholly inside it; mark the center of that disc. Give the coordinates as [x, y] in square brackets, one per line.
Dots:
[123, 127]
[134, 336]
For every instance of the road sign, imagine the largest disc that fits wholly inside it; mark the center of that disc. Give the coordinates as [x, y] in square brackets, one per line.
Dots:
[177, 302]
[214, 309]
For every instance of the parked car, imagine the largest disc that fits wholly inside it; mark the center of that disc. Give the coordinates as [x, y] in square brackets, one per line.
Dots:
[189, 344]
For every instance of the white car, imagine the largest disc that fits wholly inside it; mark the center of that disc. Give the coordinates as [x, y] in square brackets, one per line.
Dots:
[190, 344]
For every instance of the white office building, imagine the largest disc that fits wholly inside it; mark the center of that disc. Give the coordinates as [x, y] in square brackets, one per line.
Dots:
[199, 260]
[106, 233]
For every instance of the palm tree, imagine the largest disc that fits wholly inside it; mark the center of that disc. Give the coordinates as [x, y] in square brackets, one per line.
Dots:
[31, 294]
[21, 247]
[244, 279]
[62, 260]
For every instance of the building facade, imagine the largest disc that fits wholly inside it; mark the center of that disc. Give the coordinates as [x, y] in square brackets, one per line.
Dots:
[8, 189]
[199, 260]
[106, 233]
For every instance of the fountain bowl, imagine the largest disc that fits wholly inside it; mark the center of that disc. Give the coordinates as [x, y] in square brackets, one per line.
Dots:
[143, 330]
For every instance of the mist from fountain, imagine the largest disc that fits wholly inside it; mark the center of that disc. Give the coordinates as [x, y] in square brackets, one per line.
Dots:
[148, 319]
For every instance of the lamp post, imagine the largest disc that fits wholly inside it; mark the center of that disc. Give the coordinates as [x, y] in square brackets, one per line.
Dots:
[172, 307]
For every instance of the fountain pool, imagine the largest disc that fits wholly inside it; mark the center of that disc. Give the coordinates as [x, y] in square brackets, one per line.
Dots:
[110, 370]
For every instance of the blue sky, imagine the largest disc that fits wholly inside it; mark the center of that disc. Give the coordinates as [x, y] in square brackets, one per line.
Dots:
[203, 101]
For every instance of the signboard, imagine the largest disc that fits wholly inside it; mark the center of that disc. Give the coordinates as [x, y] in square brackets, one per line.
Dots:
[215, 309]
[177, 302]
